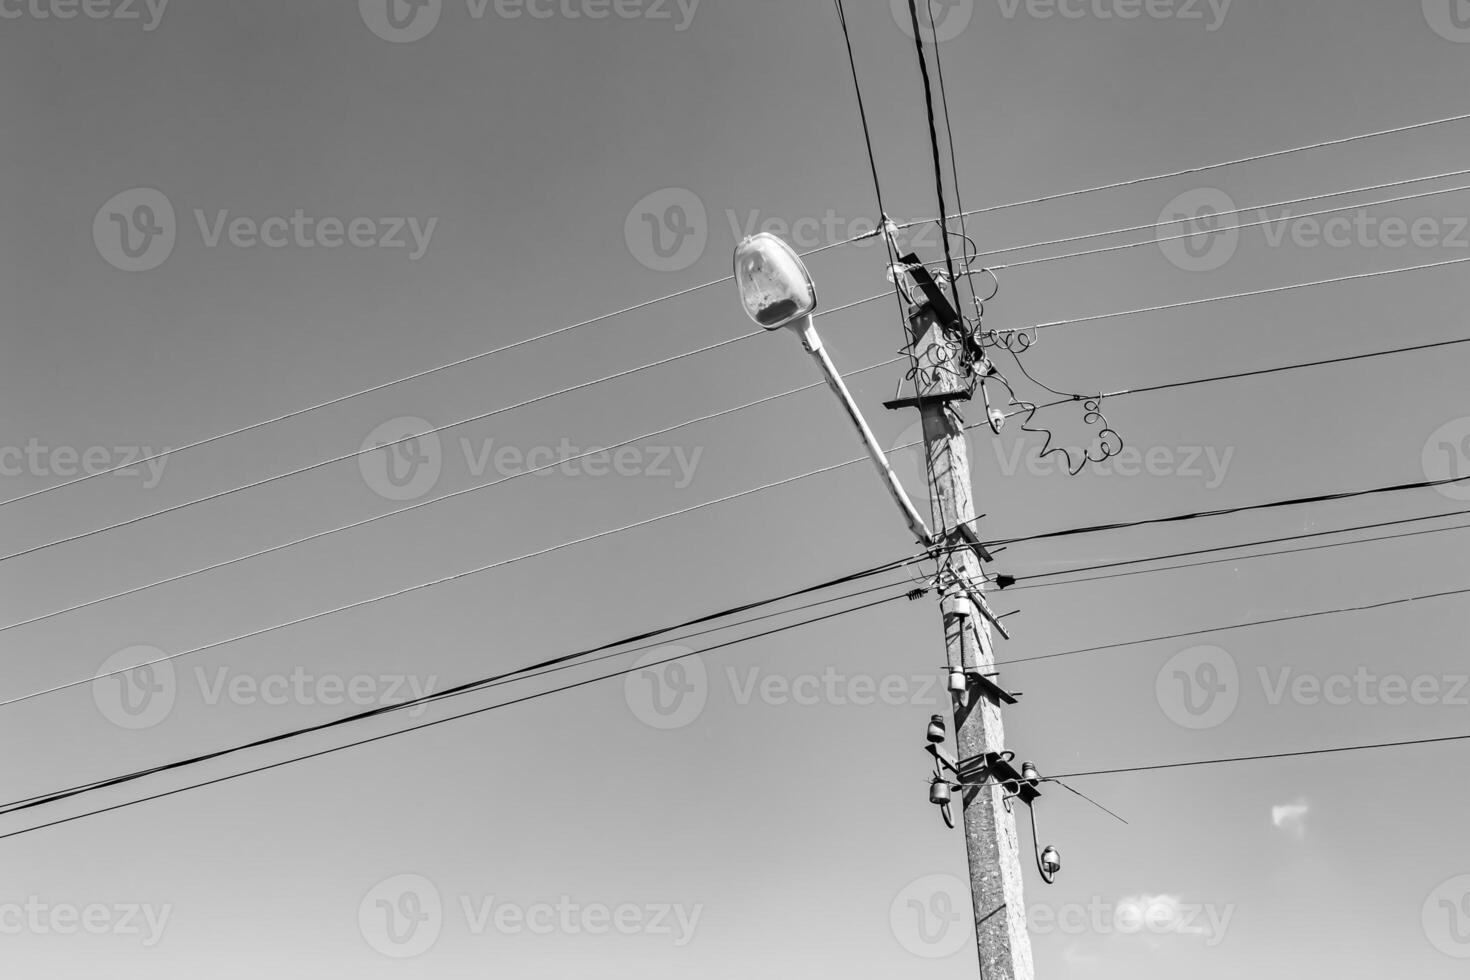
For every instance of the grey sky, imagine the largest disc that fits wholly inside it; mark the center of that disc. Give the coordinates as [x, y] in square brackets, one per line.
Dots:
[516, 156]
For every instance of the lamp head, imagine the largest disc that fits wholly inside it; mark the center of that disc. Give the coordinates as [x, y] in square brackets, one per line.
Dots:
[775, 287]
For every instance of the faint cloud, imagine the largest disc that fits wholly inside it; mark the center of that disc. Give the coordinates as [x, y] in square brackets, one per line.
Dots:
[1292, 818]
[1078, 961]
[1160, 914]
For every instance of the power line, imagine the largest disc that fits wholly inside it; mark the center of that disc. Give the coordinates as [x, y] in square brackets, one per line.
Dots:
[1156, 225]
[423, 503]
[862, 106]
[555, 665]
[619, 648]
[1222, 229]
[934, 145]
[360, 603]
[1235, 626]
[759, 489]
[1227, 511]
[1255, 373]
[1245, 295]
[954, 166]
[297, 413]
[1237, 558]
[440, 721]
[1301, 753]
[386, 445]
[593, 680]
[1211, 166]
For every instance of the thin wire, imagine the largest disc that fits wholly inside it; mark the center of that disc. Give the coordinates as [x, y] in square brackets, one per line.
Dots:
[1237, 558]
[1245, 295]
[1154, 226]
[405, 379]
[380, 447]
[471, 687]
[1238, 375]
[934, 144]
[1208, 232]
[439, 721]
[1078, 792]
[426, 503]
[436, 582]
[397, 442]
[1213, 166]
[954, 166]
[888, 245]
[1236, 626]
[1333, 750]
[862, 106]
[1228, 511]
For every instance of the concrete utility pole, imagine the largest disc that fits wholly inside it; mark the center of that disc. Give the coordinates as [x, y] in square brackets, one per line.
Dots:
[990, 829]
[777, 291]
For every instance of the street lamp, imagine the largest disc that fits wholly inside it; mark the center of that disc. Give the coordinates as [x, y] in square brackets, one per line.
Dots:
[777, 292]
